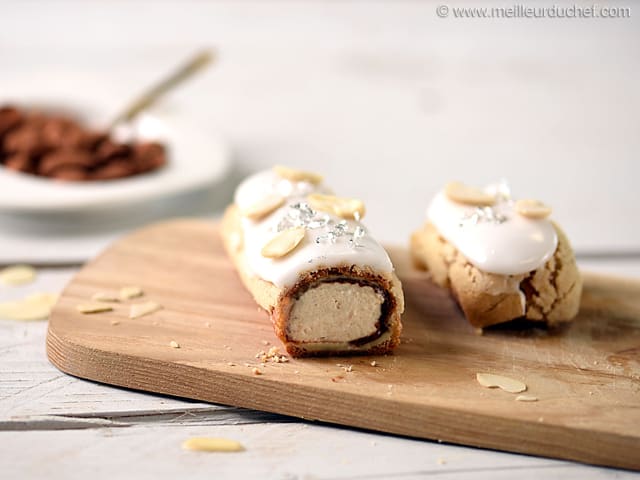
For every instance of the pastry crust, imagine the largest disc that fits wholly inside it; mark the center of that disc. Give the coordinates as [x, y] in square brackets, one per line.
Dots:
[550, 294]
[279, 302]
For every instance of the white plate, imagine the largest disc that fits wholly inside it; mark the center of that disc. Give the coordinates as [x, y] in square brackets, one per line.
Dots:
[195, 159]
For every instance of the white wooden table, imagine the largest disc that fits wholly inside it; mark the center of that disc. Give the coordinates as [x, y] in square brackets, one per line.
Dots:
[389, 101]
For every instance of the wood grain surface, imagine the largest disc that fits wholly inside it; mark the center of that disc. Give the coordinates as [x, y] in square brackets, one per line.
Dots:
[586, 376]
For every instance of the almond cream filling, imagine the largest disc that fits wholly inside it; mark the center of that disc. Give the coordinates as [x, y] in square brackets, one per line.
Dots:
[335, 312]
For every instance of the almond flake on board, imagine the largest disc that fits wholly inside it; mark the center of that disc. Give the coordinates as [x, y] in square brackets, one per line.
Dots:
[283, 243]
[526, 398]
[88, 308]
[507, 384]
[104, 297]
[138, 310]
[207, 444]
[461, 193]
[17, 275]
[129, 292]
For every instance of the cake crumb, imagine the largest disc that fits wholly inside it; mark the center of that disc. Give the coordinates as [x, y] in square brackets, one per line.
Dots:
[207, 324]
[231, 364]
[266, 342]
[256, 371]
[348, 368]
[115, 322]
[373, 363]
[441, 461]
[174, 344]
[273, 355]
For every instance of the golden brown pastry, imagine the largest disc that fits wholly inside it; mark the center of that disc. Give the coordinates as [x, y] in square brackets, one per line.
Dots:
[502, 259]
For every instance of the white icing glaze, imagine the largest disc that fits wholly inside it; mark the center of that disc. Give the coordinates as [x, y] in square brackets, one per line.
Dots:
[310, 254]
[514, 246]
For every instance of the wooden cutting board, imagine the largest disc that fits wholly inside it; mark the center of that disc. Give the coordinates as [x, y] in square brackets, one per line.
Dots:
[586, 376]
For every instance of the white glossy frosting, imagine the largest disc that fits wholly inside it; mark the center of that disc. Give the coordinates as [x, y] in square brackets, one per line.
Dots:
[353, 247]
[494, 239]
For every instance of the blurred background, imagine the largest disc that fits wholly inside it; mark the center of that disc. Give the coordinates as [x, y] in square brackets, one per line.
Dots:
[386, 99]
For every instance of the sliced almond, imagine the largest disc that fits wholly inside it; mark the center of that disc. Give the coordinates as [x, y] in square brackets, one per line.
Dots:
[297, 175]
[207, 444]
[283, 243]
[461, 193]
[87, 308]
[138, 310]
[174, 344]
[532, 209]
[33, 307]
[507, 384]
[526, 398]
[263, 208]
[42, 298]
[129, 292]
[17, 275]
[24, 311]
[104, 297]
[347, 208]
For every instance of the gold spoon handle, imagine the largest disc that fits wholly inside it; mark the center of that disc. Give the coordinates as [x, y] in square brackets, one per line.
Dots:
[150, 96]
